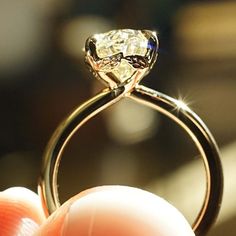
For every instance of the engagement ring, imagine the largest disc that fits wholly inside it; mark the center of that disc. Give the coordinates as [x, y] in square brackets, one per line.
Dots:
[120, 59]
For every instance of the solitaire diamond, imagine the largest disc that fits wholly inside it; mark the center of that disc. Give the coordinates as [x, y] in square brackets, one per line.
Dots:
[119, 54]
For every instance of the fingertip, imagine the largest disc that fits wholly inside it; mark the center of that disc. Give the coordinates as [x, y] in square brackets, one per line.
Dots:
[117, 210]
[20, 212]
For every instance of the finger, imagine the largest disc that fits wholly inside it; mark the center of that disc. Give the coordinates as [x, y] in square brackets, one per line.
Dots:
[20, 212]
[116, 210]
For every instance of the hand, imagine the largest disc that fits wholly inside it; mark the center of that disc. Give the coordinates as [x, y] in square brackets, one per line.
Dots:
[101, 211]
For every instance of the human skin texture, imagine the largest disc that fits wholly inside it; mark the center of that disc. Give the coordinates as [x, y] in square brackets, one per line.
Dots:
[100, 211]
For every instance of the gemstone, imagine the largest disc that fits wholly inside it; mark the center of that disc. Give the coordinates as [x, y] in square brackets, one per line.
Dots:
[122, 52]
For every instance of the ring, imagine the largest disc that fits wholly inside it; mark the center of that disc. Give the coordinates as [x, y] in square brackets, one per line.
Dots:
[120, 59]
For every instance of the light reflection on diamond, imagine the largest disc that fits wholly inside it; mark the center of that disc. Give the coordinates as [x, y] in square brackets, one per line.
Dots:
[129, 42]
[123, 71]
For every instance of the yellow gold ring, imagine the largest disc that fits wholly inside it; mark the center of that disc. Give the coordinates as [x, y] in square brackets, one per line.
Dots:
[120, 59]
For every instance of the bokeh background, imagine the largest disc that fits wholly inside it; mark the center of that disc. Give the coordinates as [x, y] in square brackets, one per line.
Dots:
[43, 78]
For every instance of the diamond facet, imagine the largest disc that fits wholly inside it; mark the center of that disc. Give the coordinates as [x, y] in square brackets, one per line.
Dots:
[119, 54]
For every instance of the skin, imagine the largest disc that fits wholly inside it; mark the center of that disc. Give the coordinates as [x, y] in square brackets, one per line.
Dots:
[100, 211]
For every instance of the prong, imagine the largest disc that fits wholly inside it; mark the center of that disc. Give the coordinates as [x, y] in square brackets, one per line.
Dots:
[90, 48]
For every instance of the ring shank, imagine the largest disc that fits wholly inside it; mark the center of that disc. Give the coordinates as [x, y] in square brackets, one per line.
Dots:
[170, 107]
[205, 143]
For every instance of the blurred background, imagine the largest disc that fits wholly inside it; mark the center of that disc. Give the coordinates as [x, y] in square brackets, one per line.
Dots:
[43, 78]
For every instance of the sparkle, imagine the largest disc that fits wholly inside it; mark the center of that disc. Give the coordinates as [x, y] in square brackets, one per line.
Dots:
[181, 105]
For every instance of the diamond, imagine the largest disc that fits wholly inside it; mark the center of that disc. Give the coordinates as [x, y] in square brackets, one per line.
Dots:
[119, 54]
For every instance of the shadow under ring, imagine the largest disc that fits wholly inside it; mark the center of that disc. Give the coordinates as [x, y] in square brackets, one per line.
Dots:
[160, 102]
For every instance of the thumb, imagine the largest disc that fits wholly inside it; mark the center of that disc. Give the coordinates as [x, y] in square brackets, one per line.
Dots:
[116, 210]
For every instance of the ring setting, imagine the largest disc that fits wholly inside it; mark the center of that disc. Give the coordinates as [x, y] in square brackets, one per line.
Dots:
[120, 59]
[121, 56]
